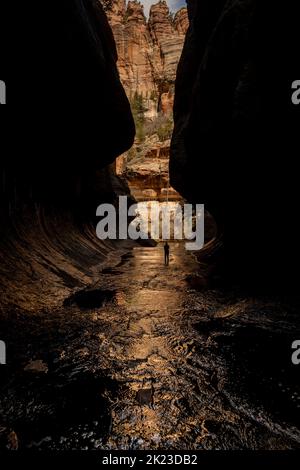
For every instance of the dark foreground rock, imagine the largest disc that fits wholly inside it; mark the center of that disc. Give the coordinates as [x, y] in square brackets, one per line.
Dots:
[55, 170]
[161, 365]
[236, 131]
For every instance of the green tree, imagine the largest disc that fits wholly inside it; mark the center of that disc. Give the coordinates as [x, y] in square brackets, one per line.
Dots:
[138, 110]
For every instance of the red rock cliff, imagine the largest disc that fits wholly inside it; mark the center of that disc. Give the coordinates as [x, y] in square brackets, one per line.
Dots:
[148, 51]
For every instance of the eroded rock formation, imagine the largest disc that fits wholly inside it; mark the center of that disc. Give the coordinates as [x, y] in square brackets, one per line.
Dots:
[54, 173]
[181, 21]
[148, 55]
[148, 51]
[148, 173]
[233, 119]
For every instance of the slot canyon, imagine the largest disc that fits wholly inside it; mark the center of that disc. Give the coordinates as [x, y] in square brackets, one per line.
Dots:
[107, 347]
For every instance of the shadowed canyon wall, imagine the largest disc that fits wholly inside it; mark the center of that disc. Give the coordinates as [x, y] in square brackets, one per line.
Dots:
[54, 170]
[236, 131]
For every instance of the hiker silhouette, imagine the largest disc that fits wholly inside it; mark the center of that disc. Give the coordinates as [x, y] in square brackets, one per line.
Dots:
[167, 253]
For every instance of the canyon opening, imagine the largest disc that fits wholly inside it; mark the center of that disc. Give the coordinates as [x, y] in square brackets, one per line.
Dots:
[149, 49]
[118, 334]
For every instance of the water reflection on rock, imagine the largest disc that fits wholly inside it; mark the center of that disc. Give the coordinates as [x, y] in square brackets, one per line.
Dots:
[152, 363]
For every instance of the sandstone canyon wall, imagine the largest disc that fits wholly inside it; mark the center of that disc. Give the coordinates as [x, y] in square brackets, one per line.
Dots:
[148, 54]
[54, 167]
[148, 50]
[236, 129]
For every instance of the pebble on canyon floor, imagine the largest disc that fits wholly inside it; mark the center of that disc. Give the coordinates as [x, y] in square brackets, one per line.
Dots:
[8, 439]
[37, 366]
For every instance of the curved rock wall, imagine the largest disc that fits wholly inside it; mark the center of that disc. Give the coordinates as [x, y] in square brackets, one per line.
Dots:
[235, 130]
[54, 171]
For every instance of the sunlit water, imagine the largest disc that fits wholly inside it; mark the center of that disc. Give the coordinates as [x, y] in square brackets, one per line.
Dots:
[159, 366]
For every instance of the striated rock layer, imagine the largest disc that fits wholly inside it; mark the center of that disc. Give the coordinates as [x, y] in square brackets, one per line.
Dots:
[148, 51]
[235, 128]
[147, 174]
[54, 173]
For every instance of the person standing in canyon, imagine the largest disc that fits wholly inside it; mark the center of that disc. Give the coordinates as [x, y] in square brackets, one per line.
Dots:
[167, 253]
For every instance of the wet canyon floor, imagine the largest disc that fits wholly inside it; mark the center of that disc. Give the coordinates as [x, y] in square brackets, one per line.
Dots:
[143, 361]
